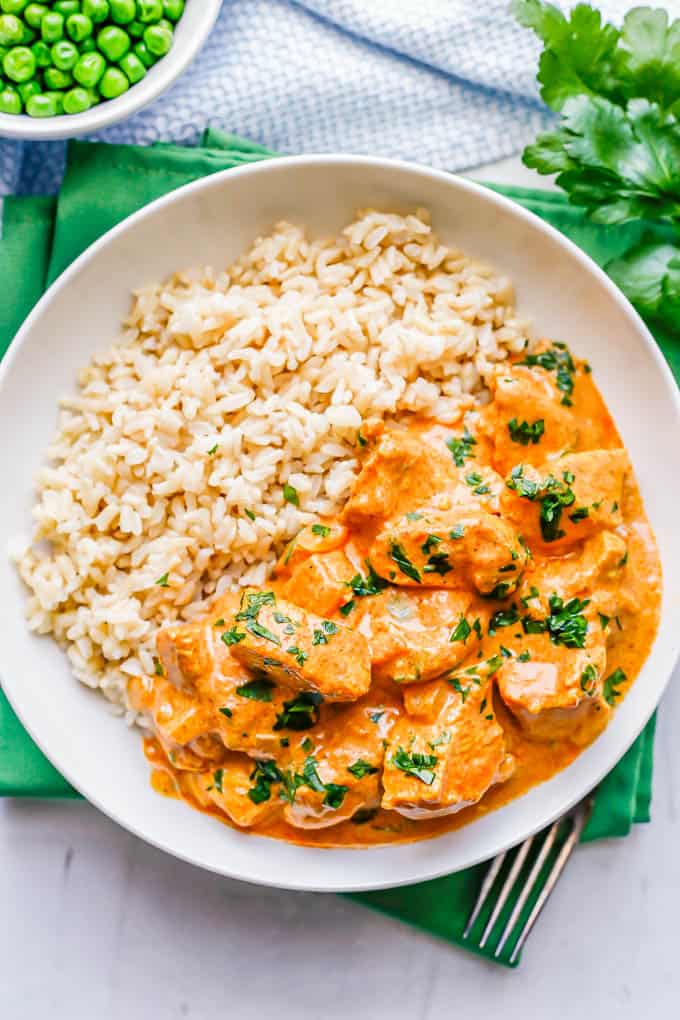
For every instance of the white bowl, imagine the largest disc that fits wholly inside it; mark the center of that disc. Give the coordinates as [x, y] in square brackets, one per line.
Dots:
[190, 34]
[212, 221]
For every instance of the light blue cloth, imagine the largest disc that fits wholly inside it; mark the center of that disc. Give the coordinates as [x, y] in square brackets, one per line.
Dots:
[450, 83]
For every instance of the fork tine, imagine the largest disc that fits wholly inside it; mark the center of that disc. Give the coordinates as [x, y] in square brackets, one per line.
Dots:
[489, 880]
[579, 819]
[529, 884]
[507, 888]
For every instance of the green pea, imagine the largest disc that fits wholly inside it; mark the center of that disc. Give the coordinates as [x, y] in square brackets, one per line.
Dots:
[19, 64]
[133, 68]
[66, 7]
[12, 6]
[28, 35]
[11, 30]
[77, 101]
[173, 9]
[64, 55]
[123, 11]
[4, 50]
[113, 83]
[44, 105]
[158, 40]
[88, 45]
[28, 89]
[98, 10]
[136, 29]
[89, 69]
[56, 79]
[52, 27]
[149, 11]
[58, 97]
[144, 53]
[113, 42]
[79, 27]
[34, 13]
[10, 100]
[42, 54]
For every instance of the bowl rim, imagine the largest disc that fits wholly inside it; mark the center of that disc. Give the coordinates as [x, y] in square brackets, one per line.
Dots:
[158, 79]
[621, 739]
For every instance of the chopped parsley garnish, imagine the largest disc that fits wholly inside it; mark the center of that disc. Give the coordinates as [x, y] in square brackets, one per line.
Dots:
[254, 602]
[589, 679]
[335, 794]
[461, 448]
[360, 439]
[624, 559]
[609, 688]
[347, 608]
[157, 667]
[556, 359]
[457, 686]
[503, 618]
[477, 627]
[443, 738]
[499, 592]
[264, 773]
[321, 530]
[259, 630]
[552, 494]
[249, 513]
[403, 562]
[289, 626]
[218, 776]
[213, 449]
[372, 584]
[414, 764]
[579, 514]
[477, 484]
[233, 636]
[457, 532]
[525, 433]
[259, 689]
[300, 656]
[524, 656]
[162, 581]
[328, 628]
[307, 744]
[413, 515]
[534, 593]
[219, 623]
[290, 494]
[375, 717]
[362, 768]
[430, 542]
[505, 652]
[462, 631]
[438, 563]
[226, 712]
[566, 624]
[300, 713]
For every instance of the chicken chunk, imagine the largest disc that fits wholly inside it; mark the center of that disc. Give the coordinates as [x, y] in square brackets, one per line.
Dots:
[245, 790]
[449, 750]
[418, 635]
[315, 539]
[595, 570]
[567, 500]
[526, 419]
[557, 693]
[337, 772]
[400, 471]
[452, 548]
[299, 649]
[321, 582]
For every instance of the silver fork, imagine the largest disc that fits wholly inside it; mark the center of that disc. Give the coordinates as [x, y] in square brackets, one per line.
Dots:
[569, 827]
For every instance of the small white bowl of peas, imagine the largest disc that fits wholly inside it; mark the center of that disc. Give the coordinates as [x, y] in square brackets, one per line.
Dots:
[71, 67]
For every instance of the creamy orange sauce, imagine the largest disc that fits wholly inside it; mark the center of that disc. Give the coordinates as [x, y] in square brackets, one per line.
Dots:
[606, 558]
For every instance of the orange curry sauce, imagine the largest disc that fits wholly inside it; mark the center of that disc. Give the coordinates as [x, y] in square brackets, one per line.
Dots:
[459, 634]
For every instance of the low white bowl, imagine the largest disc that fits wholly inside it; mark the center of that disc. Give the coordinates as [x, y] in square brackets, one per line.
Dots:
[212, 221]
[190, 34]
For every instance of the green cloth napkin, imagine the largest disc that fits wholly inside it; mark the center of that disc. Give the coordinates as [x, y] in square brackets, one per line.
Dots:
[41, 237]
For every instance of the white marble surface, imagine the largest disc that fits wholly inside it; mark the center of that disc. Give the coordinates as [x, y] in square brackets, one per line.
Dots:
[96, 924]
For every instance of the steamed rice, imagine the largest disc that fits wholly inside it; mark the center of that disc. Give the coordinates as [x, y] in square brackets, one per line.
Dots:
[166, 477]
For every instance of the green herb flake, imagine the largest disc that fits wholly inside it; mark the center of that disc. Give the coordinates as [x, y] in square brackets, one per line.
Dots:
[265, 774]
[457, 532]
[347, 608]
[162, 581]
[415, 764]
[226, 712]
[399, 556]
[321, 530]
[362, 768]
[375, 717]
[461, 631]
[259, 630]
[461, 448]
[212, 450]
[249, 513]
[589, 679]
[524, 656]
[233, 636]
[157, 667]
[300, 713]
[372, 584]
[259, 689]
[218, 777]
[524, 433]
[254, 601]
[290, 494]
[300, 656]
[429, 544]
[611, 684]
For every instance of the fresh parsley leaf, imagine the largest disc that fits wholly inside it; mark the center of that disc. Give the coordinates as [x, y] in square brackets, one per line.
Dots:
[259, 630]
[259, 689]
[300, 656]
[157, 667]
[610, 685]
[399, 556]
[233, 636]
[524, 433]
[253, 604]
[290, 494]
[162, 581]
[461, 631]
[218, 776]
[321, 530]
[362, 768]
[226, 712]
[370, 585]
[249, 513]
[300, 713]
[461, 448]
[415, 764]
[347, 608]
[212, 450]
[265, 773]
